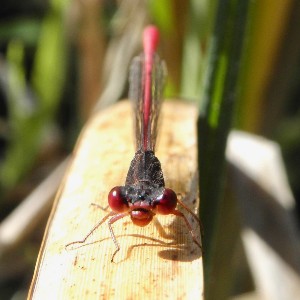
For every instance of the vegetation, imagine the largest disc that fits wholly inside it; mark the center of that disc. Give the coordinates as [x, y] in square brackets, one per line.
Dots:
[59, 58]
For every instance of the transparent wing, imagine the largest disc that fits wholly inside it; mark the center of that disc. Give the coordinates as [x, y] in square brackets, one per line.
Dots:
[136, 95]
[146, 131]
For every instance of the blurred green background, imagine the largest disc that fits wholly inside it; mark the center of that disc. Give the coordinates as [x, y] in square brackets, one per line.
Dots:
[55, 66]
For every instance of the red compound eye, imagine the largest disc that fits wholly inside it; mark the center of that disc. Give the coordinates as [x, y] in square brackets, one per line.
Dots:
[117, 201]
[166, 203]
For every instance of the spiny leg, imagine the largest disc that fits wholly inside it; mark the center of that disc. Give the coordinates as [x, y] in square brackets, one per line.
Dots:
[101, 207]
[92, 230]
[193, 214]
[110, 222]
[180, 214]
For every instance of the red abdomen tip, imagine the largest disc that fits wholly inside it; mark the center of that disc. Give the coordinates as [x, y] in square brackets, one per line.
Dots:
[150, 39]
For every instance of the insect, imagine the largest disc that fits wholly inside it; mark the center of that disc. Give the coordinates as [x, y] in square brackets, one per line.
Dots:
[144, 193]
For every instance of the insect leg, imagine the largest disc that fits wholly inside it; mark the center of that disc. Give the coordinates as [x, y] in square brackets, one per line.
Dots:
[180, 214]
[193, 215]
[110, 222]
[101, 207]
[91, 231]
